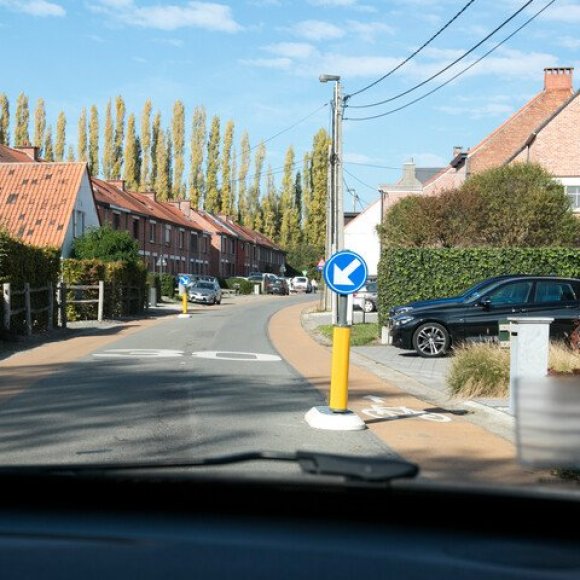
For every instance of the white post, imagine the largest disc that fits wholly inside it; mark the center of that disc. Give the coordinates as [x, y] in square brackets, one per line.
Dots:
[529, 351]
[7, 305]
[27, 308]
[101, 300]
[50, 306]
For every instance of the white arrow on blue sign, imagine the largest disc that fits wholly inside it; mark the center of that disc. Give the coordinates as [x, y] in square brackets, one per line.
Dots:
[345, 272]
[184, 280]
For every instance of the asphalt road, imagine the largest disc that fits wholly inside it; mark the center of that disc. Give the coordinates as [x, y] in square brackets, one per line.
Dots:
[184, 388]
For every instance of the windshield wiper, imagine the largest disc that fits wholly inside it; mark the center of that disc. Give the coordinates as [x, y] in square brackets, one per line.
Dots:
[353, 467]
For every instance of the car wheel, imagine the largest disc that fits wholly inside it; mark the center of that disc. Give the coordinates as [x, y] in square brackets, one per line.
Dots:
[368, 306]
[431, 340]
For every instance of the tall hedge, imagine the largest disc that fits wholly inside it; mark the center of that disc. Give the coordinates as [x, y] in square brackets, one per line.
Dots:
[21, 263]
[125, 287]
[407, 274]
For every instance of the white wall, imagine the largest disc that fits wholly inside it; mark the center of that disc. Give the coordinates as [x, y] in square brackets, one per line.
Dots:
[85, 203]
[360, 236]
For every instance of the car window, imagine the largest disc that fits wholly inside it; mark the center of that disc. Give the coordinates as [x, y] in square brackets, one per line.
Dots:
[551, 291]
[511, 293]
[205, 285]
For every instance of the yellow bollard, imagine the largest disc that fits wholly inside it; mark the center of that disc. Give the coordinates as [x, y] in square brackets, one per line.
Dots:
[184, 302]
[340, 365]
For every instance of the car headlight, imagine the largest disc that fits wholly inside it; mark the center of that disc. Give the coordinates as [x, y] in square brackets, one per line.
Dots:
[400, 320]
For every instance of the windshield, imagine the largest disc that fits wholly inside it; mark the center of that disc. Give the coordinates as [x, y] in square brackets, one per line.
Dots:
[195, 197]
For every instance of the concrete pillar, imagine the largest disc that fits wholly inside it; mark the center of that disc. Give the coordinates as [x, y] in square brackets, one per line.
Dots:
[529, 350]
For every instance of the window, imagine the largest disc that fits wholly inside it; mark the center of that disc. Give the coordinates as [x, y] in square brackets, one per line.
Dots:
[116, 220]
[193, 243]
[554, 292]
[223, 244]
[136, 228]
[573, 192]
[516, 293]
[78, 223]
[181, 239]
[167, 235]
[152, 232]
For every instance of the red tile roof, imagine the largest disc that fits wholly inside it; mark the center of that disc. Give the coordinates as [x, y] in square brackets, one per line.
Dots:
[9, 155]
[37, 200]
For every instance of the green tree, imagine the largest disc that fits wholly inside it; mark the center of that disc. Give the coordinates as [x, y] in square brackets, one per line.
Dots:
[119, 137]
[131, 156]
[178, 132]
[315, 225]
[94, 141]
[306, 186]
[212, 202]
[4, 120]
[70, 154]
[227, 201]
[163, 166]
[198, 144]
[22, 137]
[82, 145]
[48, 147]
[289, 225]
[39, 125]
[145, 178]
[60, 142]
[107, 244]
[254, 194]
[109, 147]
[243, 208]
[270, 211]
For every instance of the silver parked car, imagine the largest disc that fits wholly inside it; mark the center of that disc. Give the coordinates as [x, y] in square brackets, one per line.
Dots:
[204, 292]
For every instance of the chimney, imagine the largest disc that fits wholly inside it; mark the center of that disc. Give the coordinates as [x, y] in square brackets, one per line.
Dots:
[118, 183]
[150, 194]
[183, 206]
[559, 79]
[409, 178]
[29, 150]
[457, 150]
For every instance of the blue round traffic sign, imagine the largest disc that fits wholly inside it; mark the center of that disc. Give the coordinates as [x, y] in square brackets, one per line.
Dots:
[345, 272]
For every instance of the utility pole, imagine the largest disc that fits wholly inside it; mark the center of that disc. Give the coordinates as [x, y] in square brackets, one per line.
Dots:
[334, 207]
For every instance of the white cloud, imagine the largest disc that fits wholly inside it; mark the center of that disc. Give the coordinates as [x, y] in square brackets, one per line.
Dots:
[275, 63]
[479, 112]
[206, 15]
[333, 2]
[298, 50]
[569, 42]
[317, 30]
[368, 31]
[34, 7]
[567, 12]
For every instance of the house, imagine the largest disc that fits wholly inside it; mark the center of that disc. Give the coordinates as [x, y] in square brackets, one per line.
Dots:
[360, 232]
[45, 204]
[546, 130]
[170, 239]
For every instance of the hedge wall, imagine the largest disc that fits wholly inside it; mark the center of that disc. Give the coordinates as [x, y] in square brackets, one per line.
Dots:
[125, 287]
[21, 263]
[422, 273]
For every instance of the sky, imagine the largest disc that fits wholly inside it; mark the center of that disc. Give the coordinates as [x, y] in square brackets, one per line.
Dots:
[258, 63]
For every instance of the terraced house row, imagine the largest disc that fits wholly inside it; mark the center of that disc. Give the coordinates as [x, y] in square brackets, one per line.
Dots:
[51, 204]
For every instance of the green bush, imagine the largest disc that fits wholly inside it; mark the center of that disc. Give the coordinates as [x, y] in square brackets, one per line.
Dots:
[168, 283]
[245, 286]
[105, 243]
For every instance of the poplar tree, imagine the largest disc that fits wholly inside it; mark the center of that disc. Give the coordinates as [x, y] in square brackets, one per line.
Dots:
[22, 137]
[270, 218]
[306, 187]
[212, 202]
[315, 226]
[162, 182]
[82, 148]
[254, 192]
[70, 156]
[39, 125]
[109, 149]
[60, 142]
[289, 227]
[94, 141]
[119, 137]
[178, 133]
[131, 156]
[155, 136]
[145, 177]
[48, 147]
[198, 143]
[227, 201]
[4, 120]
[243, 210]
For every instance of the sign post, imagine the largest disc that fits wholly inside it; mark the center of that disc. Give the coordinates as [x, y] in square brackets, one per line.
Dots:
[344, 273]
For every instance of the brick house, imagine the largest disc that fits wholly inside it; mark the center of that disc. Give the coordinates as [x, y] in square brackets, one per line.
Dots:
[45, 204]
[169, 239]
[546, 130]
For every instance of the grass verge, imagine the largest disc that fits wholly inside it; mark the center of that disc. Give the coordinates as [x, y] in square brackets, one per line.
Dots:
[360, 334]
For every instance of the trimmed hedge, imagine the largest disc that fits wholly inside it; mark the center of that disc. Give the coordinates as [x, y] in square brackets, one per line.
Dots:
[245, 286]
[407, 274]
[119, 277]
[21, 263]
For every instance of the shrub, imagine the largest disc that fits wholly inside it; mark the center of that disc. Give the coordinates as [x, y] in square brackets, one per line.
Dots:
[245, 286]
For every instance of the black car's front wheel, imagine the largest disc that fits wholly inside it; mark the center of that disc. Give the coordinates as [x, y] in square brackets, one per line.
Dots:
[431, 340]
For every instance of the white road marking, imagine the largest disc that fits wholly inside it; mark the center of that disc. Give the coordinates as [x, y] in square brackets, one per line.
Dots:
[139, 353]
[237, 356]
[378, 411]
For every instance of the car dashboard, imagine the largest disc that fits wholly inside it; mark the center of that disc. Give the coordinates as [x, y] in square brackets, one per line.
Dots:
[182, 526]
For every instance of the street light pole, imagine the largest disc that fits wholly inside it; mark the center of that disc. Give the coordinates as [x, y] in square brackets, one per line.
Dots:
[334, 207]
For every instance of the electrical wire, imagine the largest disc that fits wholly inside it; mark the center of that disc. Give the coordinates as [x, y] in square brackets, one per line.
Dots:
[465, 54]
[361, 182]
[463, 71]
[414, 54]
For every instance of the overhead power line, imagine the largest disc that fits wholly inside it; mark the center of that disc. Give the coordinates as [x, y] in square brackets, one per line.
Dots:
[463, 71]
[440, 72]
[414, 54]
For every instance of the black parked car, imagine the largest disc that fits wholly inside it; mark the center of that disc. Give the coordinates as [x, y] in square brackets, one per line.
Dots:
[433, 328]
